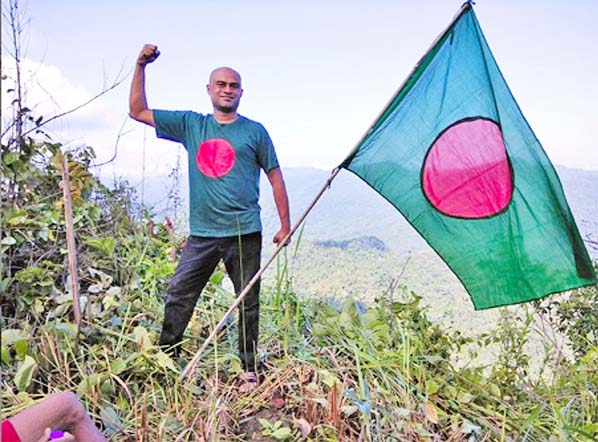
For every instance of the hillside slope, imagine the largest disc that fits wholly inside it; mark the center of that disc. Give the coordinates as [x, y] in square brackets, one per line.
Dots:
[349, 211]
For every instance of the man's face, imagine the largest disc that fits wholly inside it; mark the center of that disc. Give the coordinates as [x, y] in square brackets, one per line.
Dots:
[225, 89]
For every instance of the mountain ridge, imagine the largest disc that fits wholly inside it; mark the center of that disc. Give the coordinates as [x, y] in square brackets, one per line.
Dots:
[355, 243]
[350, 209]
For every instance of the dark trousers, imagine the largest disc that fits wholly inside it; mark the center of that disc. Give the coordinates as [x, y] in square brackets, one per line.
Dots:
[200, 256]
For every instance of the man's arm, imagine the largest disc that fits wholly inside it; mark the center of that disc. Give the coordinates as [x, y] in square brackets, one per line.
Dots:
[62, 411]
[138, 109]
[281, 199]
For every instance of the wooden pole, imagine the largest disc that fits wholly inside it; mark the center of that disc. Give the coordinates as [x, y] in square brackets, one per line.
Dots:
[70, 241]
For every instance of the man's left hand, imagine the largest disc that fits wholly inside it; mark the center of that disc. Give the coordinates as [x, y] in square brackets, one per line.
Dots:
[280, 236]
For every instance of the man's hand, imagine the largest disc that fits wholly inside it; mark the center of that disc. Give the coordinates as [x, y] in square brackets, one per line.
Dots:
[138, 109]
[280, 236]
[148, 54]
[66, 437]
[282, 205]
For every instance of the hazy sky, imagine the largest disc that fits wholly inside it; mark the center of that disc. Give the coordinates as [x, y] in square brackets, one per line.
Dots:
[315, 73]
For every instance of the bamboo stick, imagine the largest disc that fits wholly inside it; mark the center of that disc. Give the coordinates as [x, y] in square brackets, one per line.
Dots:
[70, 241]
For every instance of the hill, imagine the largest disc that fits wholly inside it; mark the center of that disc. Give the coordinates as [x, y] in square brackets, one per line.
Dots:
[351, 209]
[355, 243]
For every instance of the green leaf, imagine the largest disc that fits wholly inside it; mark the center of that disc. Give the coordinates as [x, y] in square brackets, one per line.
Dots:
[25, 373]
[107, 387]
[165, 361]
[282, 433]
[10, 158]
[114, 291]
[494, 390]
[533, 415]
[38, 306]
[329, 378]
[432, 387]
[66, 328]
[111, 419]
[265, 423]
[142, 337]
[43, 234]
[345, 320]
[18, 218]
[117, 366]
[465, 397]
[8, 241]
[12, 335]
[217, 278]
[87, 384]
[195, 389]
[5, 355]
[320, 330]
[109, 301]
[22, 348]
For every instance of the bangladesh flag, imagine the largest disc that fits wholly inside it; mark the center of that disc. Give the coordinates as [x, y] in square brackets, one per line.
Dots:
[454, 154]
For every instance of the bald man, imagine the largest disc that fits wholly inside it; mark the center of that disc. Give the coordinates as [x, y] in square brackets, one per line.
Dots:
[226, 153]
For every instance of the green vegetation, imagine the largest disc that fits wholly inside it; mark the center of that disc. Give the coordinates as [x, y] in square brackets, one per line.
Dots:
[334, 369]
[337, 366]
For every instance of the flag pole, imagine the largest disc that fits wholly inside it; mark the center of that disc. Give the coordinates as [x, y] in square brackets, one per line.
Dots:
[193, 362]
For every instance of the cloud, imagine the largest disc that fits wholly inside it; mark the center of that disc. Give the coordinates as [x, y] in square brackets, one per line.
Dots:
[47, 91]
[102, 124]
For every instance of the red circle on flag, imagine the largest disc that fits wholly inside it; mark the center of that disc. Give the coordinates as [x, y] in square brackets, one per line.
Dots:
[215, 157]
[466, 172]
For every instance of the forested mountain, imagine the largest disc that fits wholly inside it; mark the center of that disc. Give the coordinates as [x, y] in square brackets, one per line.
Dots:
[351, 209]
[355, 243]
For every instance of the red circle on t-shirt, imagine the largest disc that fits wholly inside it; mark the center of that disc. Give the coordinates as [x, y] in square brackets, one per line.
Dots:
[466, 173]
[215, 157]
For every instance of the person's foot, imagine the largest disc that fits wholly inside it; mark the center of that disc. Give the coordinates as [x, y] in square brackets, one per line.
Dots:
[248, 381]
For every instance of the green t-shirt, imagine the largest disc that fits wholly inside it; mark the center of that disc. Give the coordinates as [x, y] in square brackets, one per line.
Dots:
[224, 169]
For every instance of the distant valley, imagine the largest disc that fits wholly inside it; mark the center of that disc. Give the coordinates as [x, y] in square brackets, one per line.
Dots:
[355, 243]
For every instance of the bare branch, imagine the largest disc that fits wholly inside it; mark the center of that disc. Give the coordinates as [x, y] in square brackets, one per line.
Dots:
[115, 84]
[118, 137]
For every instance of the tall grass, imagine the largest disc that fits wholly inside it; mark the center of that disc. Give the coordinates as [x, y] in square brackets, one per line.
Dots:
[334, 370]
[331, 369]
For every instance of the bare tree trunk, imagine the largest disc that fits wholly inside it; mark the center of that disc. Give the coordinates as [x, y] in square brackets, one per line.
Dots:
[70, 241]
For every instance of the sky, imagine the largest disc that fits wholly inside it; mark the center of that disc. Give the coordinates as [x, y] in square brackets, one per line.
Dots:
[316, 73]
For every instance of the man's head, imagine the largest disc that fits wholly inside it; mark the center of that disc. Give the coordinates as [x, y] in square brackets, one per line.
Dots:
[225, 89]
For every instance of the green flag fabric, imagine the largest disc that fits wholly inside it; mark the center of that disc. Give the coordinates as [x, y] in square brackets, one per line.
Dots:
[455, 155]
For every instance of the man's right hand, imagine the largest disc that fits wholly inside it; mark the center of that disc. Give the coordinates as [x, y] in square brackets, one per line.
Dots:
[148, 54]
[138, 109]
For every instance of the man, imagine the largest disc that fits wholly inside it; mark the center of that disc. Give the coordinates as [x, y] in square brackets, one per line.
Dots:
[226, 152]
